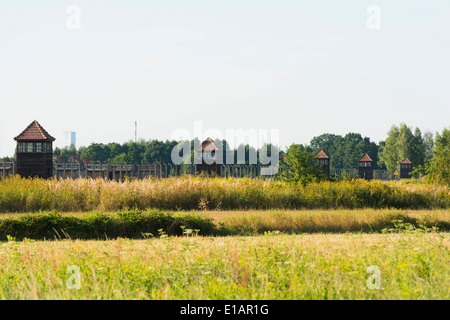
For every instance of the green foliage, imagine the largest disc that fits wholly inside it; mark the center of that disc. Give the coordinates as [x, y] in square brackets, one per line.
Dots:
[96, 225]
[400, 226]
[402, 142]
[345, 151]
[152, 151]
[437, 169]
[298, 166]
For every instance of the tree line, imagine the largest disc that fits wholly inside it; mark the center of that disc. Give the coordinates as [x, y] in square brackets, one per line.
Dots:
[344, 151]
[429, 153]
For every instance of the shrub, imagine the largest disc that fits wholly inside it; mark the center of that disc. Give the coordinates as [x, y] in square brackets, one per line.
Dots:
[97, 225]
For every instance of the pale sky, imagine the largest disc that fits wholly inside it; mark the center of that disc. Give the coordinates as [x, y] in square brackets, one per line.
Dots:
[301, 67]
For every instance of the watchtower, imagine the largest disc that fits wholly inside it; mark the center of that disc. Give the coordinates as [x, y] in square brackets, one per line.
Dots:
[207, 153]
[365, 168]
[322, 159]
[34, 152]
[405, 168]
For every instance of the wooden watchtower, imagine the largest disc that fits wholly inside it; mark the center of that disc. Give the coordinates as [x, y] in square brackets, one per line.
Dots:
[207, 153]
[34, 152]
[322, 159]
[405, 168]
[365, 167]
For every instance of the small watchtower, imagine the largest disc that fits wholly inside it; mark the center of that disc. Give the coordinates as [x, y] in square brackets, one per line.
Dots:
[34, 152]
[322, 159]
[365, 167]
[405, 168]
[207, 153]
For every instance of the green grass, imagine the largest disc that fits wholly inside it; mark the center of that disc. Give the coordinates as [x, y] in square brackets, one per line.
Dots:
[413, 265]
[203, 238]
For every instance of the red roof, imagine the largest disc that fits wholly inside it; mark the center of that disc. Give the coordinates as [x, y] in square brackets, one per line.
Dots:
[321, 155]
[365, 157]
[406, 161]
[207, 145]
[34, 132]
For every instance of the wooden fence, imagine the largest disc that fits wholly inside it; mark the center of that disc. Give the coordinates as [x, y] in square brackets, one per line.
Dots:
[121, 172]
[7, 168]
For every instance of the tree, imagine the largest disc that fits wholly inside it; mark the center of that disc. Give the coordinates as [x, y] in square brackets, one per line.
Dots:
[96, 152]
[400, 143]
[428, 141]
[120, 159]
[115, 149]
[345, 151]
[298, 166]
[65, 153]
[438, 168]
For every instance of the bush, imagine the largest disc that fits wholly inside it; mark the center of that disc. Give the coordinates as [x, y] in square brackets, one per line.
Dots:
[97, 225]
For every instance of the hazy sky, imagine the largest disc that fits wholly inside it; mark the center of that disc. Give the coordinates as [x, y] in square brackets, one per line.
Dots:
[302, 67]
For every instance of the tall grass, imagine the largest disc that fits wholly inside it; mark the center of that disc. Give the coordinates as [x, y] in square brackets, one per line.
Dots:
[271, 267]
[187, 193]
[137, 224]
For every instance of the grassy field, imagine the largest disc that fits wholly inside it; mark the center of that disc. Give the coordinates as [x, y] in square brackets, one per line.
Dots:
[193, 193]
[412, 265]
[204, 238]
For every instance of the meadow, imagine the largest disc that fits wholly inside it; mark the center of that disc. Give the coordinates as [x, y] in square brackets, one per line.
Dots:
[192, 193]
[411, 265]
[208, 238]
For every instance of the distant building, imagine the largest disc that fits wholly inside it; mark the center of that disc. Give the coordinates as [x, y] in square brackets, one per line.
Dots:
[322, 159]
[207, 154]
[365, 167]
[70, 139]
[405, 168]
[35, 152]
[73, 139]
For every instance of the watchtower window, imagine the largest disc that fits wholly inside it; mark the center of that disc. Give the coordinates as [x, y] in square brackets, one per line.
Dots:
[22, 147]
[30, 147]
[47, 147]
[39, 147]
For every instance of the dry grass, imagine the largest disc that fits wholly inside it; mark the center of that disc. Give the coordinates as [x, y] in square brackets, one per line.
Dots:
[252, 222]
[188, 193]
[366, 220]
